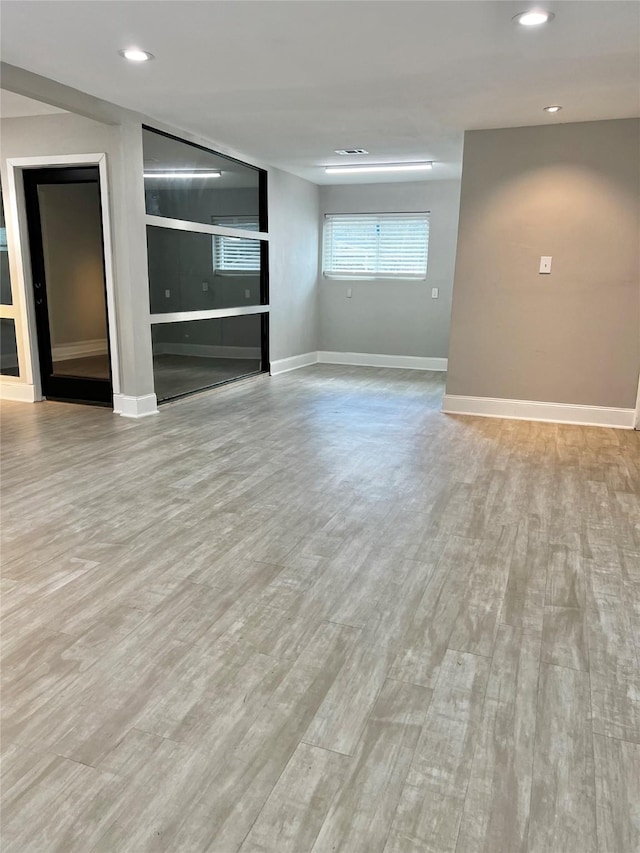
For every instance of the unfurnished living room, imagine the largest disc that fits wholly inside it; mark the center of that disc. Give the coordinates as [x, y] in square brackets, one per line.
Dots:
[320, 411]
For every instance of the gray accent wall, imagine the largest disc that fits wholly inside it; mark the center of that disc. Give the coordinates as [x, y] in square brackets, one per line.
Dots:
[571, 191]
[389, 316]
[293, 264]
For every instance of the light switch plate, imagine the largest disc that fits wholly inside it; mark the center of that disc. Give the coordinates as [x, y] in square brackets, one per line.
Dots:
[349, 293]
[435, 292]
[545, 264]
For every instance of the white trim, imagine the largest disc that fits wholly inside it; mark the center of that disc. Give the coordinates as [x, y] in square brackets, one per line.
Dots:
[135, 407]
[294, 362]
[203, 228]
[55, 160]
[206, 350]
[19, 392]
[358, 359]
[531, 410]
[109, 276]
[208, 314]
[80, 349]
[20, 272]
[22, 286]
[636, 419]
[335, 276]
[363, 359]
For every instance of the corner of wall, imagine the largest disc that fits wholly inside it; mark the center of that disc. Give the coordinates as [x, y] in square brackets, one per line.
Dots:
[293, 262]
[135, 407]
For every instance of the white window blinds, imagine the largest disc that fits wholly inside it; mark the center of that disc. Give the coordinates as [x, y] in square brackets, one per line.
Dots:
[376, 245]
[236, 254]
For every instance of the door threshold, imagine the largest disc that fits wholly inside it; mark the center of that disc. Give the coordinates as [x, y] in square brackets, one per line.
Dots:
[94, 403]
[215, 389]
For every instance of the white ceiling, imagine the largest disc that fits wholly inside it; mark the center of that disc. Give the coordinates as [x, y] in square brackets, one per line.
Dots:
[17, 106]
[287, 82]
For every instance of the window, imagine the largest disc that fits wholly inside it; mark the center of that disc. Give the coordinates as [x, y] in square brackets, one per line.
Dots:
[376, 245]
[236, 254]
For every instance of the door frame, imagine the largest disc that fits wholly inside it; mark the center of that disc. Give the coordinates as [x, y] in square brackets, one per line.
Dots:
[26, 332]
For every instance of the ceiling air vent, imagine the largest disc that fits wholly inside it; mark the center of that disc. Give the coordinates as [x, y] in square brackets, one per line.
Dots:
[344, 151]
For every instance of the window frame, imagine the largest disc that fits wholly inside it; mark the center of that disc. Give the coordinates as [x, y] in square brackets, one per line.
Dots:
[218, 240]
[422, 215]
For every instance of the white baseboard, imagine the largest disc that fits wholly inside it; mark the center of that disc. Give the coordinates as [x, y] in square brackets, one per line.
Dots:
[529, 410]
[80, 349]
[19, 392]
[358, 359]
[206, 350]
[135, 407]
[284, 365]
[363, 359]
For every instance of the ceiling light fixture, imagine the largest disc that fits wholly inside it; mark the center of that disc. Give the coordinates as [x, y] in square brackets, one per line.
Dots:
[184, 174]
[533, 18]
[553, 109]
[381, 167]
[134, 54]
[343, 151]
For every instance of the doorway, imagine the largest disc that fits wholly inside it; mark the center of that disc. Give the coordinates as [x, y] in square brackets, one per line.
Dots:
[64, 221]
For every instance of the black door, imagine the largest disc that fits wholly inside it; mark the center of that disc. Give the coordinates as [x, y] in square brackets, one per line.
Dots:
[67, 261]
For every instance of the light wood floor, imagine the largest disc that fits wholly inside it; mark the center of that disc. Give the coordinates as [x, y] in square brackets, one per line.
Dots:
[312, 613]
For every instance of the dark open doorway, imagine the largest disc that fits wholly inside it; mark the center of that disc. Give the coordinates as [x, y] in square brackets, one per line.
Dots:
[67, 260]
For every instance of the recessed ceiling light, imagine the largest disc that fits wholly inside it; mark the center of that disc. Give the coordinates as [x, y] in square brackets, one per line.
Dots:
[380, 167]
[208, 173]
[134, 54]
[344, 151]
[533, 18]
[553, 109]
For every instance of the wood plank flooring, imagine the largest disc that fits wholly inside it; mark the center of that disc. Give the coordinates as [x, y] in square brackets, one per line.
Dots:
[312, 614]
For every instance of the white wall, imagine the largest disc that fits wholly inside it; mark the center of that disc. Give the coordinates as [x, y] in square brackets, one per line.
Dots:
[386, 316]
[293, 261]
[67, 133]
